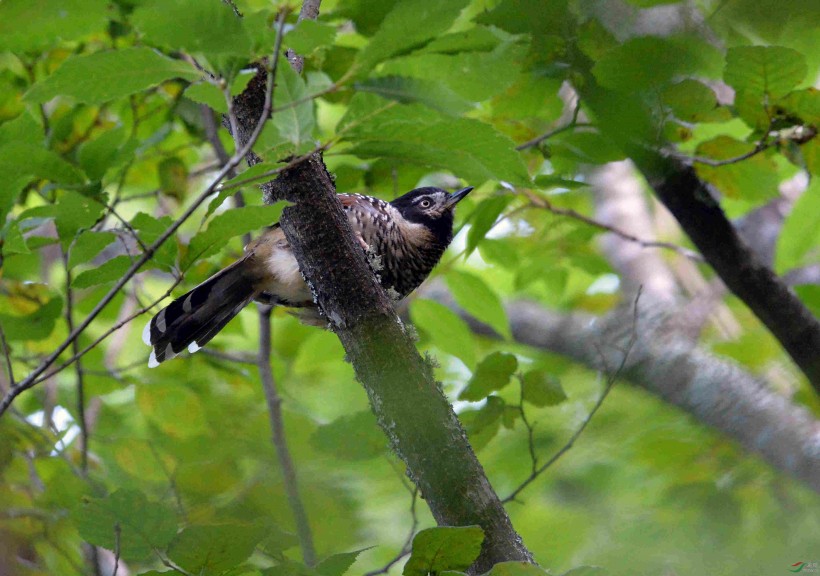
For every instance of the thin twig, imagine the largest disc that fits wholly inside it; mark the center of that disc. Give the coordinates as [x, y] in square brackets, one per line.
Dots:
[117, 534]
[610, 382]
[7, 355]
[795, 134]
[573, 123]
[106, 334]
[274, 402]
[530, 428]
[169, 564]
[540, 202]
[29, 381]
[760, 147]
[234, 8]
[407, 547]
[237, 358]
[78, 368]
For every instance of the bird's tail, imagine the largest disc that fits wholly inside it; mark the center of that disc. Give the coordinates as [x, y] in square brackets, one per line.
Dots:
[193, 319]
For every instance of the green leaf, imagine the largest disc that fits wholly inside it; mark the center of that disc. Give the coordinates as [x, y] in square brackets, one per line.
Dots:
[294, 118]
[764, 70]
[75, 212]
[254, 172]
[12, 241]
[20, 160]
[308, 35]
[214, 548]
[173, 408]
[447, 330]
[534, 17]
[810, 295]
[651, 3]
[491, 374]
[287, 567]
[144, 525]
[585, 571]
[627, 68]
[149, 229]
[223, 227]
[477, 38]
[585, 147]
[338, 564]
[470, 76]
[409, 25]
[126, 72]
[805, 104]
[474, 296]
[444, 548]
[483, 424]
[754, 179]
[413, 133]
[484, 219]
[26, 26]
[799, 240]
[37, 325]
[407, 90]
[87, 245]
[351, 437]
[110, 271]
[516, 569]
[206, 26]
[25, 129]
[690, 99]
[542, 389]
[205, 92]
[96, 156]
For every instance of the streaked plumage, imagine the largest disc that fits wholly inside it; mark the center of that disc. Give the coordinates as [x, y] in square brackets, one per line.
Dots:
[404, 239]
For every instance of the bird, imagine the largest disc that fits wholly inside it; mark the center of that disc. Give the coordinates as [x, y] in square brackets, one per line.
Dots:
[404, 239]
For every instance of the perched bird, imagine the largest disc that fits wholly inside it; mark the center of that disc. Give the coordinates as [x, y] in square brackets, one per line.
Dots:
[406, 237]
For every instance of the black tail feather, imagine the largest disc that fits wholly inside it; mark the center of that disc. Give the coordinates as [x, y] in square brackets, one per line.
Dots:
[193, 319]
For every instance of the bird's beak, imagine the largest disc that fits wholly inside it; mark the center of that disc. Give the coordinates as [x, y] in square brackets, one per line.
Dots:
[457, 197]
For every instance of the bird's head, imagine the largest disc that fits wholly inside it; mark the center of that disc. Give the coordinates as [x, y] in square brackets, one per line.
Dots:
[431, 207]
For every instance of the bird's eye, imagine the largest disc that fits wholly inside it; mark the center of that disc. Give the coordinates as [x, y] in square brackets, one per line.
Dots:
[425, 203]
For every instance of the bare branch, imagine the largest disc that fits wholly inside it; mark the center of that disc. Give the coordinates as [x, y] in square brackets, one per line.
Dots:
[666, 363]
[280, 443]
[541, 202]
[117, 534]
[7, 356]
[573, 123]
[234, 8]
[610, 382]
[796, 134]
[78, 368]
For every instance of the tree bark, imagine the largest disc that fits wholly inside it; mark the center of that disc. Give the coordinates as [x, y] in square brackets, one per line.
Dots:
[701, 217]
[410, 407]
[715, 391]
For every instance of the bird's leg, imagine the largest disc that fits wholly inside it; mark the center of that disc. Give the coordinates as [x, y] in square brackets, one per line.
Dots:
[365, 246]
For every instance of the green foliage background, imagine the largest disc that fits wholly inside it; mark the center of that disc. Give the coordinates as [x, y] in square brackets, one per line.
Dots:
[103, 145]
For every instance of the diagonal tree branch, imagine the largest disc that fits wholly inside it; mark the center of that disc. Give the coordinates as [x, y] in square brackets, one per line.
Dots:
[702, 218]
[697, 210]
[411, 409]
